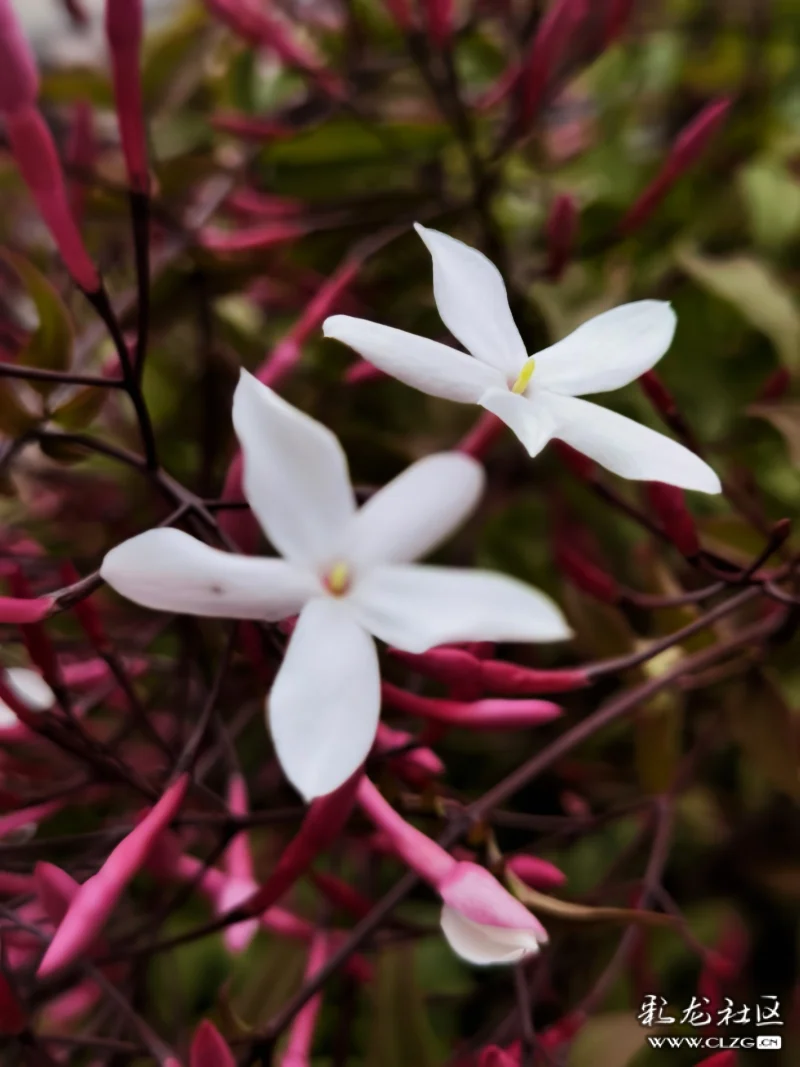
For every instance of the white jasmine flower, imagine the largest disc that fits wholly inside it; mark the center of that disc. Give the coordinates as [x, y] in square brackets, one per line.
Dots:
[347, 571]
[537, 397]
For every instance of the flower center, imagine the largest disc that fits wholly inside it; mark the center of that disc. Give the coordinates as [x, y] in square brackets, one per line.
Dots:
[337, 580]
[525, 375]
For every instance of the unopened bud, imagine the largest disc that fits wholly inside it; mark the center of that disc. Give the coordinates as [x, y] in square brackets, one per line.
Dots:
[669, 504]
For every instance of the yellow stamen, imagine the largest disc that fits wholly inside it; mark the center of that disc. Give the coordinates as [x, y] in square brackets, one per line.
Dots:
[337, 579]
[521, 384]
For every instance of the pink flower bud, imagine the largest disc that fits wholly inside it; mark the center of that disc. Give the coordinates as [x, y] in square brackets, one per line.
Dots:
[362, 371]
[562, 228]
[719, 1059]
[401, 12]
[481, 920]
[669, 504]
[15, 820]
[249, 128]
[553, 36]
[301, 1034]
[584, 574]
[35, 154]
[493, 1056]
[24, 610]
[322, 825]
[342, 895]
[19, 79]
[581, 466]
[439, 16]
[14, 885]
[98, 896]
[124, 22]
[658, 394]
[253, 238]
[563, 1030]
[55, 889]
[511, 678]
[13, 1017]
[535, 872]
[249, 202]
[776, 385]
[263, 30]
[491, 714]
[81, 152]
[417, 765]
[617, 16]
[209, 1048]
[482, 436]
[453, 667]
[687, 149]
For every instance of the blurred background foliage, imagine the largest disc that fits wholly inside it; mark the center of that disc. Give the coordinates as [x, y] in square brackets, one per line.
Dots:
[723, 247]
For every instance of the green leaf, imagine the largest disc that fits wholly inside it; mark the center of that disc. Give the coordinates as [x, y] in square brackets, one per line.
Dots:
[766, 729]
[756, 292]
[786, 420]
[15, 419]
[401, 1034]
[609, 1040]
[772, 201]
[81, 409]
[50, 345]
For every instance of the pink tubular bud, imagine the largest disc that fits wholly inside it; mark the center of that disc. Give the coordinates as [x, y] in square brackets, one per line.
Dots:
[238, 861]
[776, 385]
[439, 17]
[494, 1056]
[491, 714]
[482, 436]
[55, 890]
[124, 22]
[478, 896]
[564, 1030]
[97, 897]
[263, 30]
[24, 610]
[719, 1059]
[341, 894]
[322, 825]
[209, 1048]
[35, 154]
[13, 1018]
[81, 152]
[400, 10]
[687, 149]
[617, 17]
[562, 228]
[363, 371]
[301, 1034]
[249, 128]
[510, 678]
[669, 504]
[535, 872]
[417, 765]
[19, 78]
[414, 848]
[453, 667]
[581, 466]
[85, 611]
[658, 394]
[584, 574]
[15, 820]
[252, 239]
[251, 203]
[555, 30]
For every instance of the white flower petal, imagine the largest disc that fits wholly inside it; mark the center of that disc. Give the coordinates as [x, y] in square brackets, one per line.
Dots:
[415, 608]
[413, 514]
[527, 417]
[426, 365]
[325, 701]
[626, 447]
[608, 351]
[30, 688]
[168, 570]
[473, 304]
[295, 474]
[484, 945]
